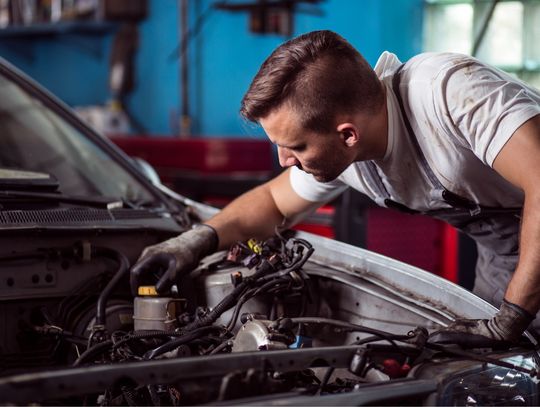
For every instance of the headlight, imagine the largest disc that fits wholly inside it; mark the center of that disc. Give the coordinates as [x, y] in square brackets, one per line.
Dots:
[492, 385]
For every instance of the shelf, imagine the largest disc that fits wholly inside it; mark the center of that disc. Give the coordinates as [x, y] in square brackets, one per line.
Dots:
[54, 29]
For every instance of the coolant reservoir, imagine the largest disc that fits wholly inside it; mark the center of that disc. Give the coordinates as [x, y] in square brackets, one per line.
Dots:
[151, 312]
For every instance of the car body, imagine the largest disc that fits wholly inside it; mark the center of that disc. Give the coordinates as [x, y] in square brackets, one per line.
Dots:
[294, 320]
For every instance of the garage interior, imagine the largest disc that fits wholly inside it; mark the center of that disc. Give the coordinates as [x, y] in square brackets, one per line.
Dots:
[164, 79]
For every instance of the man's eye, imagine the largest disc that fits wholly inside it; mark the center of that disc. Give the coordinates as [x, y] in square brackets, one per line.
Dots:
[299, 148]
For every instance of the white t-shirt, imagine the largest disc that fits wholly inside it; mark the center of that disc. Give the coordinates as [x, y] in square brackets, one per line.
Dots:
[462, 113]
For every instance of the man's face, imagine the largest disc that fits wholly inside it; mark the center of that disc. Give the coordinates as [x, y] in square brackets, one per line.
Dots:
[325, 156]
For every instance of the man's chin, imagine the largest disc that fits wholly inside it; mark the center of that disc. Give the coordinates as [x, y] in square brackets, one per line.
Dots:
[324, 178]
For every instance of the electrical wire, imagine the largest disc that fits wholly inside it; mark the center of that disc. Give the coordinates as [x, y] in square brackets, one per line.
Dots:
[326, 378]
[115, 344]
[253, 293]
[264, 268]
[347, 326]
[291, 259]
[480, 358]
[376, 338]
[188, 337]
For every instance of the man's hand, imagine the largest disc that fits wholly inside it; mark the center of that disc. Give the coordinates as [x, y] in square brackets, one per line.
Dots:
[506, 326]
[174, 256]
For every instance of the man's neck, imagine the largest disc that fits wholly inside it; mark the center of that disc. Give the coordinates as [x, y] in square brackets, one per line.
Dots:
[375, 140]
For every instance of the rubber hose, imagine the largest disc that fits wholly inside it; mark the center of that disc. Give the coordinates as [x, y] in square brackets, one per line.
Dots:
[104, 296]
[94, 350]
[219, 309]
[177, 342]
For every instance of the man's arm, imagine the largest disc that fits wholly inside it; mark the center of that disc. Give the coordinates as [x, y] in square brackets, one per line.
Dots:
[254, 214]
[519, 163]
[257, 212]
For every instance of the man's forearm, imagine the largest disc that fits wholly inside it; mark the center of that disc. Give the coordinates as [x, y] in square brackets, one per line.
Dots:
[253, 214]
[524, 288]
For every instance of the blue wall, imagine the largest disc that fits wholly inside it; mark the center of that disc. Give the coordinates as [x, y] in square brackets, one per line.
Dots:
[73, 67]
[223, 59]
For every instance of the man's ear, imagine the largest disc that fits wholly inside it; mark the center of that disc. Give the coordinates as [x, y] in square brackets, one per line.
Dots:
[349, 133]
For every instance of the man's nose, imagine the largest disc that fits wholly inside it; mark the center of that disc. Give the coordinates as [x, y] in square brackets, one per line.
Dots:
[286, 158]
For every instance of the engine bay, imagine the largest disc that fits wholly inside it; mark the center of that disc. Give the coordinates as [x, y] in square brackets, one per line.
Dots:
[263, 319]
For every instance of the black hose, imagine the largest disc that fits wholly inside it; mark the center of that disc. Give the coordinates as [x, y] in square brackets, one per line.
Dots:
[326, 378]
[481, 358]
[188, 337]
[348, 327]
[229, 301]
[376, 338]
[219, 309]
[106, 293]
[147, 335]
[93, 351]
[248, 295]
[264, 268]
[252, 293]
[104, 346]
[220, 347]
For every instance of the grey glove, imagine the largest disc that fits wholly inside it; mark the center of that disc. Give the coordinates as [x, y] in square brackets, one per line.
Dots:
[506, 326]
[173, 258]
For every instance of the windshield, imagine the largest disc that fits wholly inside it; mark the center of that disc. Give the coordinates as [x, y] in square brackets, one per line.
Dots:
[33, 137]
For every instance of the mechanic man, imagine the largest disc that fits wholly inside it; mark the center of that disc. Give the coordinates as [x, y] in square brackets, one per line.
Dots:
[443, 135]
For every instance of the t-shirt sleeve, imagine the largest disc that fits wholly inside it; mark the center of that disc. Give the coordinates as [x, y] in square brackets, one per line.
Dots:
[312, 190]
[486, 106]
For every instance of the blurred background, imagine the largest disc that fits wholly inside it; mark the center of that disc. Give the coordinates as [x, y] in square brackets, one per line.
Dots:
[164, 79]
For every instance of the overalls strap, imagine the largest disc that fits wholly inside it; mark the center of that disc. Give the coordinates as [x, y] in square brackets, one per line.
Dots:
[439, 191]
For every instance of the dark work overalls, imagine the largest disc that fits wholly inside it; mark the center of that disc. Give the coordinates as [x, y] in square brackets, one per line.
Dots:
[495, 230]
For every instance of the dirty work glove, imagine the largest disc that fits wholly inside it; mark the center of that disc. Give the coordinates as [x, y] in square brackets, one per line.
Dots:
[173, 257]
[506, 326]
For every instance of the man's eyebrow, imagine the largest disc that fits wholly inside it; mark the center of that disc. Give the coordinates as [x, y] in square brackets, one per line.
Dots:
[292, 146]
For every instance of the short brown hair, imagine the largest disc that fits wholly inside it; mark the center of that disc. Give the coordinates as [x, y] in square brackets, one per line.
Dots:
[320, 74]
